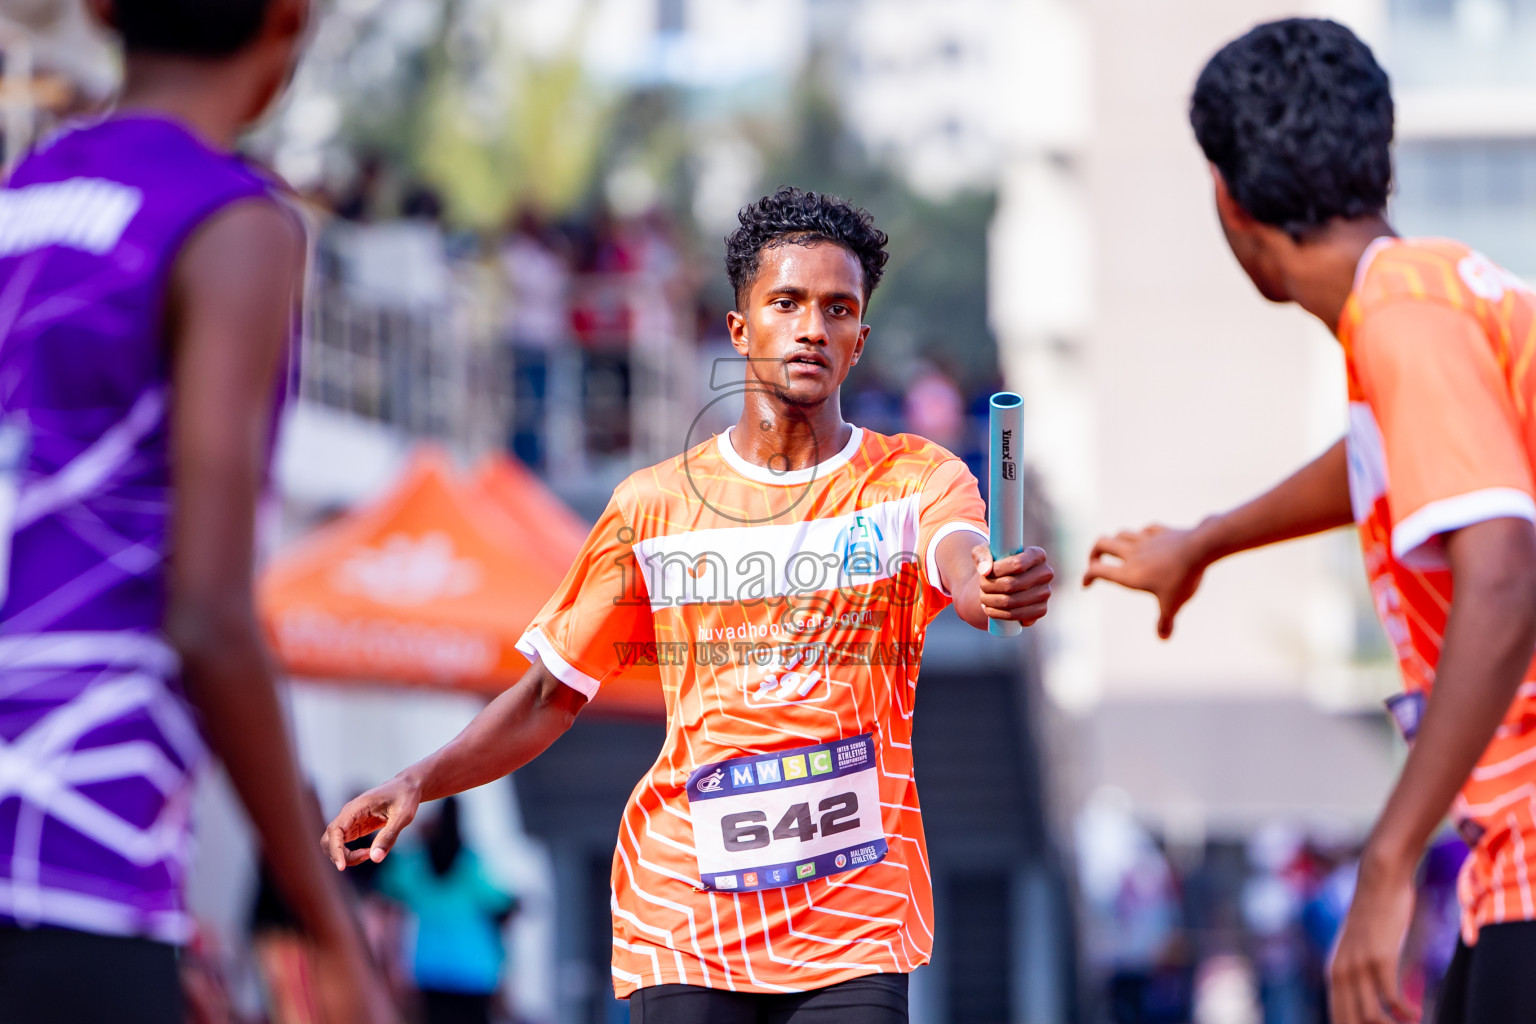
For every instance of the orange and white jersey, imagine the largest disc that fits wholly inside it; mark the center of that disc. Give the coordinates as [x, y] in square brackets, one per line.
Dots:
[1439, 344]
[776, 845]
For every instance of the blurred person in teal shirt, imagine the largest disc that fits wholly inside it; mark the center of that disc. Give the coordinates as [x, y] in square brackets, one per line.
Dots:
[458, 913]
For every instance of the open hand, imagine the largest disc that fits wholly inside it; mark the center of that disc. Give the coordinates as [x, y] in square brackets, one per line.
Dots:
[384, 809]
[1168, 564]
[1363, 985]
[1016, 588]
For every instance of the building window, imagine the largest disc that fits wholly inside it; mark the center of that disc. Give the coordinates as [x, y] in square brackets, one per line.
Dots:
[1440, 10]
[1467, 13]
[1460, 42]
[1478, 191]
[671, 16]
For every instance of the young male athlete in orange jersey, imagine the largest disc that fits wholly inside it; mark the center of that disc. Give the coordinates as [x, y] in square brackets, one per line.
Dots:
[1436, 471]
[771, 865]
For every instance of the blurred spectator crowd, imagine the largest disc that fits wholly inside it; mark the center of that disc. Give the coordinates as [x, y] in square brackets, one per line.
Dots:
[578, 343]
[1236, 932]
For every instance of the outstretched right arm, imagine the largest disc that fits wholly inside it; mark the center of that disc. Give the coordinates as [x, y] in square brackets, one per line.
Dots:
[1169, 564]
[516, 727]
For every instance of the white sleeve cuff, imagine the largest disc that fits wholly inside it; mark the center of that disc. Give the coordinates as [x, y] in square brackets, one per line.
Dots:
[931, 560]
[1416, 540]
[535, 646]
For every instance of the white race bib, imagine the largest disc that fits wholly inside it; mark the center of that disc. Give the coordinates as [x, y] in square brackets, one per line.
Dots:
[772, 820]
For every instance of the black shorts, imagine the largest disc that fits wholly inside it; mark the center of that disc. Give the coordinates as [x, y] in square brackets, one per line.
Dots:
[873, 999]
[1493, 982]
[57, 976]
[438, 1007]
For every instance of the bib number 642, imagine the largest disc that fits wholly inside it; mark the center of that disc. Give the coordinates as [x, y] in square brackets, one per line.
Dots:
[748, 830]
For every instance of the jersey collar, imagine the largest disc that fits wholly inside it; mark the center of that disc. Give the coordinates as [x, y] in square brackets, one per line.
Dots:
[1366, 257]
[1349, 316]
[764, 475]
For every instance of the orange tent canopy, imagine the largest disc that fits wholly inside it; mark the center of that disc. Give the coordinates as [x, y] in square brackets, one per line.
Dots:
[432, 585]
[507, 484]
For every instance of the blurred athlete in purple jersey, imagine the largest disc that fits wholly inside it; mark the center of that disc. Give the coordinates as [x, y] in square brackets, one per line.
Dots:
[149, 283]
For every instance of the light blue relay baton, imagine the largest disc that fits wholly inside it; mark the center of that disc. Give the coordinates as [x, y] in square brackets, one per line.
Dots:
[1005, 498]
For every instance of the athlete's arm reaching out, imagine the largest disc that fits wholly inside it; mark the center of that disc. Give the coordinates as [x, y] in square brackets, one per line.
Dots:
[1017, 587]
[1168, 564]
[516, 727]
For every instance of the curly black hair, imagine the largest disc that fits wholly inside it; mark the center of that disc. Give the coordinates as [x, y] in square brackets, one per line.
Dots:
[1297, 117]
[188, 28]
[795, 216]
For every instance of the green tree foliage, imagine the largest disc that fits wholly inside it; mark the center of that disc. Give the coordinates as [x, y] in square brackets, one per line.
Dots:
[468, 110]
[541, 146]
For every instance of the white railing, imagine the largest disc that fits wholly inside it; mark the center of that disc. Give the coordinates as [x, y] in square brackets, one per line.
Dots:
[620, 397]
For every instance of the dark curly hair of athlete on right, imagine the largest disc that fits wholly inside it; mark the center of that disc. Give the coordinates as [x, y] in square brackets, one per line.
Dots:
[792, 216]
[1297, 117]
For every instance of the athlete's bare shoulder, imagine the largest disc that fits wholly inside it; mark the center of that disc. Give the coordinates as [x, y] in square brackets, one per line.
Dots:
[251, 253]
